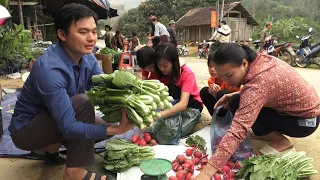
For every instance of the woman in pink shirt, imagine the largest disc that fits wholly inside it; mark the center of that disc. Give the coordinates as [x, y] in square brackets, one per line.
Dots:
[183, 86]
[274, 101]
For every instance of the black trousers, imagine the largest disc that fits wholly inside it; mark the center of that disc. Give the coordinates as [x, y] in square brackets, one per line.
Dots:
[42, 131]
[270, 120]
[208, 100]
[175, 92]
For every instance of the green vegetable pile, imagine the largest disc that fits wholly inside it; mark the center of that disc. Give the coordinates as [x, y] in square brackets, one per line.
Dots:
[288, 166]
[108, 51]
[111, 52]
[196, 141]
[140, 98]
[120, 155]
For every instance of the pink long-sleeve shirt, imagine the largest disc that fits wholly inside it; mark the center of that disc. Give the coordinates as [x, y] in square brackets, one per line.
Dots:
[271, 83]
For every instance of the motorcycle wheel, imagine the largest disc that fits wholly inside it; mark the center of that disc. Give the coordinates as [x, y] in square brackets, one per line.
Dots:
[286, 56]
[185, 53]
[300, 63]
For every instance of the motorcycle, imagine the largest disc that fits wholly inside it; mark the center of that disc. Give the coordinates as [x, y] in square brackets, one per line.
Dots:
[203, 49]
[307, 53]
[183, 50]
[283, 51]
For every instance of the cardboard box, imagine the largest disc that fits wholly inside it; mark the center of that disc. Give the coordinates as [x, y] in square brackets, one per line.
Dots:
[106, 62]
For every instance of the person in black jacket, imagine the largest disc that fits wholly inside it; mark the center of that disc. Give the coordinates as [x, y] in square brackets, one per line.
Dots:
[172, 31]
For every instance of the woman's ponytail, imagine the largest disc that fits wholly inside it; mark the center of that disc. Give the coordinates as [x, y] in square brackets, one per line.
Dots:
[250, 54]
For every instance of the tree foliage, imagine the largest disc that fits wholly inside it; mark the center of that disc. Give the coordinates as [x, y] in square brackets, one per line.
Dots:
[290, 17]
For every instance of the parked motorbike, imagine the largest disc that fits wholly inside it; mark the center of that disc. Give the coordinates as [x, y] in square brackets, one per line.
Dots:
[283, 51]
[203, 49]
[307, 54]
[183, 50]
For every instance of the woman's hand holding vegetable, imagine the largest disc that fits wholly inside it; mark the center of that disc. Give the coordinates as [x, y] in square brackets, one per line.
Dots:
[180, 106]
[206, 173]
[124, 126]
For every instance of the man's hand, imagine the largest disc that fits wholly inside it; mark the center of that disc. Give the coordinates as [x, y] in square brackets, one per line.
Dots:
[124, 126]
[214, 89]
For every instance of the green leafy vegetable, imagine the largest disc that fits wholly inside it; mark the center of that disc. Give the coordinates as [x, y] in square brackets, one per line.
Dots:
[123, 90]
[289, 166]
[196, 141]
[120, 155]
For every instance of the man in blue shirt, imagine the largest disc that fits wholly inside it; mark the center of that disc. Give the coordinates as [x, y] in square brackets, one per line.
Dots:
[53, 109]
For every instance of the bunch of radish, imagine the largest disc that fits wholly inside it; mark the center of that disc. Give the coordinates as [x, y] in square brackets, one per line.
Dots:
[228, 171]
[199, 158]
[185, 165]
[143, 141]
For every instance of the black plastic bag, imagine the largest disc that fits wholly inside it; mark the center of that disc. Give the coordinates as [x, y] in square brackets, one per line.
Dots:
[170, 130]
[190, 118]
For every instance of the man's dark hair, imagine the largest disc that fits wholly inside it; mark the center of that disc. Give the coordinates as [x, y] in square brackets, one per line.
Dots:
[154, 19]
[169, 52]
[152, 13]
[107, 26]
[268, 24]
[70, 14]
[134, 33]
[223, 22]
[145, 56]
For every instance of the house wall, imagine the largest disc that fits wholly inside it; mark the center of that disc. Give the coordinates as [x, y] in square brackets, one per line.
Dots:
[195, 33]
[240, 29]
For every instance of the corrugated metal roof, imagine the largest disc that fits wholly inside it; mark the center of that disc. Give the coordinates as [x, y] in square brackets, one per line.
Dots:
[15, 3]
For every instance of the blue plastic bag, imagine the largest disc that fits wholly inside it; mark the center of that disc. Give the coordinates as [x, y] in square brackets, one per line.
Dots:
[219, 127]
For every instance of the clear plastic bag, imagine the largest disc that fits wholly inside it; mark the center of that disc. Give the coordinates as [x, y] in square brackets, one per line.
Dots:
[219, 127]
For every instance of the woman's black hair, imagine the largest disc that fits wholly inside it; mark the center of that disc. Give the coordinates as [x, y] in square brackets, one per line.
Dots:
[210, 58]
[234, 54]
[145, 56]
[169, 52]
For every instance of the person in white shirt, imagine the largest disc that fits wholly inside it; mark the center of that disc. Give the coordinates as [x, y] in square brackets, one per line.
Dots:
[160, 31]
[223, 35]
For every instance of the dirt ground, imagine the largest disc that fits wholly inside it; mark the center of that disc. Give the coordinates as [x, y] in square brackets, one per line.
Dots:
[15, 168]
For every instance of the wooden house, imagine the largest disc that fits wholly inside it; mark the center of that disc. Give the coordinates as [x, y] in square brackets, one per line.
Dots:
[195, 25]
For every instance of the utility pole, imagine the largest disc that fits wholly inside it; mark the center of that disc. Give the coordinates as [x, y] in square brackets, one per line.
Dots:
[253, 9]
[20, 12]
[222, 7]
[218, 10]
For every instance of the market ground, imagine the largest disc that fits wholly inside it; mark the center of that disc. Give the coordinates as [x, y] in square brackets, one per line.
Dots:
[13, 168]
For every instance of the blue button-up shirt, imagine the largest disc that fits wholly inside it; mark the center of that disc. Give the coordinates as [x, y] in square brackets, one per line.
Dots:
[54, 78]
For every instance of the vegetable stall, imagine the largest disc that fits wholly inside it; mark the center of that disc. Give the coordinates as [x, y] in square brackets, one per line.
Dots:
[143, 100]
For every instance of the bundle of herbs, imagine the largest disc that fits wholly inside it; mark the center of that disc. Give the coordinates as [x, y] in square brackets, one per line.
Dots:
[196, 141]
[140, 98]
[120, 155]
[288, 166]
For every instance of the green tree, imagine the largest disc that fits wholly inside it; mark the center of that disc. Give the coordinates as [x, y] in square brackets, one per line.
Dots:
[4, 3]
